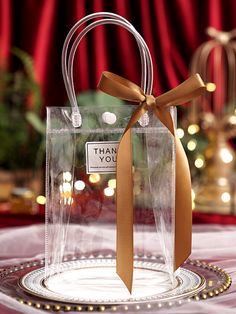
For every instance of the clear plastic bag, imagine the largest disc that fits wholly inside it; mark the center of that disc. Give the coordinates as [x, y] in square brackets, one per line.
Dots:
[81, 209]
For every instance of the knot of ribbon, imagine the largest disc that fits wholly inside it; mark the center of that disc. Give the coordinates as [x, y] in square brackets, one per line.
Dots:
[149, 102]
[122, 88]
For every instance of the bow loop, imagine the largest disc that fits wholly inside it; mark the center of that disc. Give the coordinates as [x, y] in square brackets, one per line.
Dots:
[119, 87]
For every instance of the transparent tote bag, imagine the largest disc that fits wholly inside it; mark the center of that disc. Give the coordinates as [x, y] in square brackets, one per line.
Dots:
[81, 190]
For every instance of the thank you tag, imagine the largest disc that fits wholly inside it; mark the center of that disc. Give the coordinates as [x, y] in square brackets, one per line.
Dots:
[101, 157]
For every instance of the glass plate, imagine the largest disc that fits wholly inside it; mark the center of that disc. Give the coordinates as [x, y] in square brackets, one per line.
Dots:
[216, 279]
[94, 281]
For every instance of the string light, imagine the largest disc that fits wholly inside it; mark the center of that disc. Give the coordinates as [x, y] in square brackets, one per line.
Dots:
[65, 190]
[67, 176]
[222, 181]
[68, 200]
[193, 129]
[66, 187]
[112, 183]
[192, 144]
[199, 162]
[232, 119]
[41, 200]
[180, 133]
[109, 191]
[94, 177]
[225, 197]
[226, 155]
[210, 87]
[79, 185]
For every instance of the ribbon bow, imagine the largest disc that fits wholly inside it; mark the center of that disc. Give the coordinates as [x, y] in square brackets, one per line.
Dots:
[119, 87]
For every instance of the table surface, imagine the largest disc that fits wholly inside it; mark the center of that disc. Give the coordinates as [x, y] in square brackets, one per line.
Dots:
[213, 243]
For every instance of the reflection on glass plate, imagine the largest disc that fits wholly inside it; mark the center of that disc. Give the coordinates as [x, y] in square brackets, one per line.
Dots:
[94, 281]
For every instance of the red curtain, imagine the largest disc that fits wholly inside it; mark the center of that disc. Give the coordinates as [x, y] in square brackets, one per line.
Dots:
[173, 29]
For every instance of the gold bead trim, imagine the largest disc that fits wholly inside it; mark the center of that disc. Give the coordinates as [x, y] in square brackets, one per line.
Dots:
[210, 293]
[203, 295]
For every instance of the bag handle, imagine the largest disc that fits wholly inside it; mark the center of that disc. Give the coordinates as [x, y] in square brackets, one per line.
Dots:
[67, 62]
[79, 23]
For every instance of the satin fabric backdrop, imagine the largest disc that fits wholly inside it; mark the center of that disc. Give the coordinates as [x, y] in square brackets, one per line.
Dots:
[173, 29]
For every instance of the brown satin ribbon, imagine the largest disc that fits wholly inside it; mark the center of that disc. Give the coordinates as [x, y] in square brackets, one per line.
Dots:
[117, 86]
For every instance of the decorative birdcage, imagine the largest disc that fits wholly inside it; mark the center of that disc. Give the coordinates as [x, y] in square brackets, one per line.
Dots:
[215, 60]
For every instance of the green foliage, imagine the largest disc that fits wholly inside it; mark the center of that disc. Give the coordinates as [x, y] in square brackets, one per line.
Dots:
[98, 99]
[36, 122]
[30, 82]
[20, 97]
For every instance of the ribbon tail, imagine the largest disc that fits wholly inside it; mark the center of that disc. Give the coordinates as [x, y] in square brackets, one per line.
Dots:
[124, 211]
[183, 201]
[183, 207]
[124, 203]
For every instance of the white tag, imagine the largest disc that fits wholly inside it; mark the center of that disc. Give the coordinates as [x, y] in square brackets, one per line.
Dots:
[101, 157]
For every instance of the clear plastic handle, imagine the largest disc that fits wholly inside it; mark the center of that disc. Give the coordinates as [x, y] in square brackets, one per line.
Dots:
[67, 62]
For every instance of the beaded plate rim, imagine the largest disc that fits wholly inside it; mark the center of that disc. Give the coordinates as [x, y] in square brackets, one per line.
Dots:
[60, 306]
[40, 290]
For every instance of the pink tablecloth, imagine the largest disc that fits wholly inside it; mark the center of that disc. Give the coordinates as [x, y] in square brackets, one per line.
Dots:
[210, 242]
